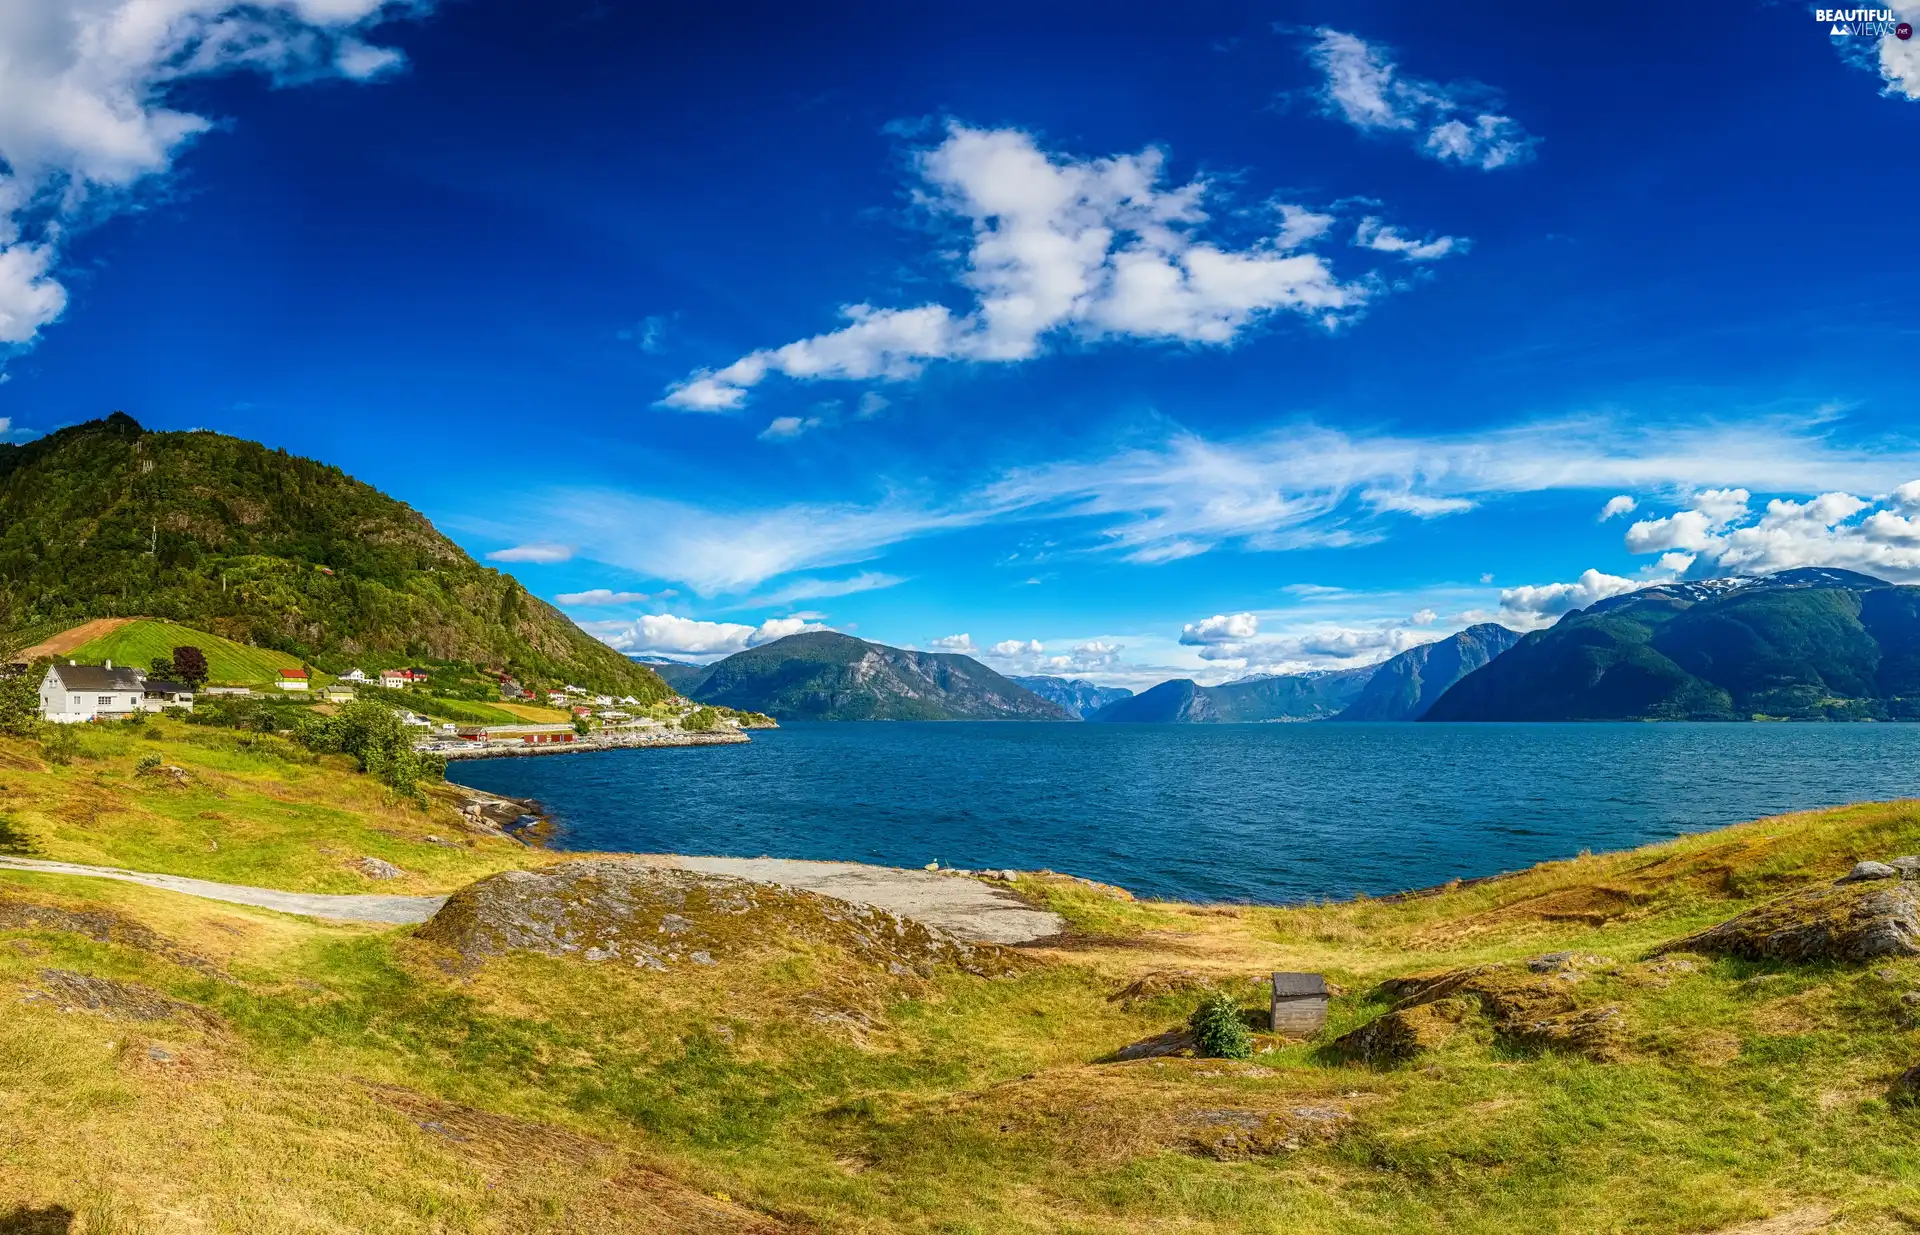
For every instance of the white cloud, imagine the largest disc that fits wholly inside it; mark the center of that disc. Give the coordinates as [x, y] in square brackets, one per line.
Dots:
[605, 596]
[1058, 246]
[1689, 530]
[1291, 487]
[1532, 607]
[1879, 537]
[1014, 647]
[544, 554]
[1449, 123]
[1896, 61]
[86, 107]
[961, 643]
[1425, 617]
[1220, 628]
[786, 428]
[665, 634]
[1674, 564]
[819, 589]
[871, 404]
[1373, 234]
[1621, 505]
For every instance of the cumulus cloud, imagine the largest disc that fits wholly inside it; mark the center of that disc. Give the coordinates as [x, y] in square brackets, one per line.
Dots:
[962, 643]
[544, 554]
[1095, 656]
[1877, 536]
[87, 107]
[1621, 505]
[1373, 234]
[606, 596]
[1425, 617]
[1062, 246]
[1014, 647]
[1894, 60]
[1537, 605]
[1450, 123]
[665, 634]
[1220, 628]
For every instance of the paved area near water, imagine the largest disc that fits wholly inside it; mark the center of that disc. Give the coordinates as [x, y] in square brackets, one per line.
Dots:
[958, 904]
[961, 906]
[392, 910]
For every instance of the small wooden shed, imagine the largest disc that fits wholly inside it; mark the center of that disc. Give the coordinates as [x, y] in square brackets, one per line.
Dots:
[1299, 1004]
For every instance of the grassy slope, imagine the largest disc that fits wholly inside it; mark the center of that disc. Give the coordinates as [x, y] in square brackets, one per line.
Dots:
[850, 1101]
[138, 642]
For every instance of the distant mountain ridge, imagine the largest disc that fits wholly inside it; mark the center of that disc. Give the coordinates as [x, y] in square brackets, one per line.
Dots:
[105, 519]
[1293, 697]
[1405, 686]
[1080, 697]
[1809, 644]
[824, 675]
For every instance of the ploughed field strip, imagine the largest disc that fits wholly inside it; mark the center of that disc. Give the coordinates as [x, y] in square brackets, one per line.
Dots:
[963, 907]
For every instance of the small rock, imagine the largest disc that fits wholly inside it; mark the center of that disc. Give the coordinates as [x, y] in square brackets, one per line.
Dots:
[1887, 975]
[1010, 875]
[700, 958]
[931, 866]
[1862, 872]
[159, 1054]
[1905, 1090]
[376, 868]
[1909, 867]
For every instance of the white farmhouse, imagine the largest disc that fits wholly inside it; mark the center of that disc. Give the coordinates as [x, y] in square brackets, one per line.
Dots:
[161, 695]
[71, 693]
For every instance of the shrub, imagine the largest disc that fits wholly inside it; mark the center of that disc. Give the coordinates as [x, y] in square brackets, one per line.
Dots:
[1219, 1032]
[15, 839]
[700, 720]
[149, 762]
[379, 743]
[59, 744]
[20, 701]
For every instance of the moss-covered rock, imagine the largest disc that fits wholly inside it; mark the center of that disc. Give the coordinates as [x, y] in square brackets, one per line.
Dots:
[1403, 1034]
[1532, 1005]
[651, 917]
[1848, 922]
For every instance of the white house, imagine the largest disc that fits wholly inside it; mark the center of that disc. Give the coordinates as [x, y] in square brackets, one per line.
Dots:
[395, 678]
[354, 675]
[294, 679]
[71, 693]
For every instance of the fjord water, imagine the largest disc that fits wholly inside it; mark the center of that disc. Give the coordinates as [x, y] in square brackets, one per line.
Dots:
[1206, 812]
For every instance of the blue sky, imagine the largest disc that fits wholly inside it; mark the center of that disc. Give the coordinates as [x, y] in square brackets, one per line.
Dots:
[1093, 340]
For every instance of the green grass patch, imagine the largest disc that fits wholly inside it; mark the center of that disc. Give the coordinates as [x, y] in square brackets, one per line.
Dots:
[139, 643]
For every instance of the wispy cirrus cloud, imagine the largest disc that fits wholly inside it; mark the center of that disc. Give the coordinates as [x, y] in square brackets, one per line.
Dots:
[1451, 123]
[1184, 494]
[539, 553]
[87, 107]
[1062, 246]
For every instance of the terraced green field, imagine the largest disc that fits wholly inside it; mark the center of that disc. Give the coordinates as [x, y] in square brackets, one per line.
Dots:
[139, 642]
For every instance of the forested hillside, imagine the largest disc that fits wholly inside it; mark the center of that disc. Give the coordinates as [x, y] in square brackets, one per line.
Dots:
[105, 519]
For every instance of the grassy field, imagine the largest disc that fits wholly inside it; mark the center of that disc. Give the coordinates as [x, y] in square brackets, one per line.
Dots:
[533, 712]
[228, 663]
[328, 1078]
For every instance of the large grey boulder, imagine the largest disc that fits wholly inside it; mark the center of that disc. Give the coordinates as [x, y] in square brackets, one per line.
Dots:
[1866, 872]
[1847, 922]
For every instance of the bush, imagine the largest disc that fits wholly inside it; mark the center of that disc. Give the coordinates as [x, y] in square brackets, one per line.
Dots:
[149, 762]
[59, 744]
[1219, 1032]
[700, 720]
[379, 743]
[20, 700]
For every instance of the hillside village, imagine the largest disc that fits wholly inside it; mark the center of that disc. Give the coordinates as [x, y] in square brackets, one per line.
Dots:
[79, 688]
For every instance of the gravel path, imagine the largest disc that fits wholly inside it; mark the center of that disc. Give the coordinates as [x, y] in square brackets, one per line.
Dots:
[394, 910]
[957, 904]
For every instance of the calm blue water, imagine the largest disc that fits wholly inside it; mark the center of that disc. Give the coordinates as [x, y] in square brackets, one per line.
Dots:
[1207, 812]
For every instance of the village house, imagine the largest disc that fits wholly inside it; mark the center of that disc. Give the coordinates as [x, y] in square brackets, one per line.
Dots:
[337, 693]
[396, 678]
[295, 679]
[71, 693]
[160, 695]
[354, 675]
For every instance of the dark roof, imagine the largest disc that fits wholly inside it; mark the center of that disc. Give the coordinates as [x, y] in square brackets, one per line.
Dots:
[98, 677]
[156, 687]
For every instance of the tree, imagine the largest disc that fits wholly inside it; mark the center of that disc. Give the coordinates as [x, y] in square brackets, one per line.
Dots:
[378, 742]
[162, 668]
[20, 700]
[191, 664]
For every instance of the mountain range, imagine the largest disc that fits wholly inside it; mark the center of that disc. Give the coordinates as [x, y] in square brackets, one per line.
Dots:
[1082, 698]
[1406, 686]
[825, 675]
[1810, 644]
[1304, 696]
[105, 519]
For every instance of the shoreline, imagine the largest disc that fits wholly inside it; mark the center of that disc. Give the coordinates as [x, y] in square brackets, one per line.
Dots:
[623, 741]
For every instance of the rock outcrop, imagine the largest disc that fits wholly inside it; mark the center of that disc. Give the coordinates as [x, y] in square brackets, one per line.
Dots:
[1531, 1005]
[604, 910]
[1849, 921]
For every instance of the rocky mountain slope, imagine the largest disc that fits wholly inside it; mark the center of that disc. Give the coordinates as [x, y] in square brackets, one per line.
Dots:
[1812, 644]
[1080, 697]
[1303, 696]
[824, 675]
[105, 519]
[1403, 687]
